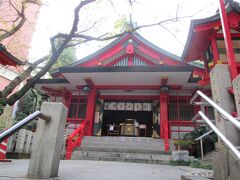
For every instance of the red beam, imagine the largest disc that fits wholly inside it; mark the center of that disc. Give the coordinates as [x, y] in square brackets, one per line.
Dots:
[81, 97]
[228, 40]
[128, 97]
[90, 82]
[75, 120]
[183, 123]
[135, 87]
[51, 90]
[208, 26]
[233, 35]
[128, 87]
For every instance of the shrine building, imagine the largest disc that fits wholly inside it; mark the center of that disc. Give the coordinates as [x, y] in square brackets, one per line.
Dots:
[132, 87]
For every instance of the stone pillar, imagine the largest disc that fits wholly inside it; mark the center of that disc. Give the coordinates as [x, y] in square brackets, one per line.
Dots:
[47, 143]
[21, 140]
[236, 89]
[28, 142]
[220, 83]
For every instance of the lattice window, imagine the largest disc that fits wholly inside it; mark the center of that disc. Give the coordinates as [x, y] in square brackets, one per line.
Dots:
[181, 111]
[123, 62]
[77, 110]
[138, 62]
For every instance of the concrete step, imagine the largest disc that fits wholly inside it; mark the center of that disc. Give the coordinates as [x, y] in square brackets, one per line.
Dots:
[125, 143]
[113, 139]
[123, 150]
[128, 149]
[120, 156]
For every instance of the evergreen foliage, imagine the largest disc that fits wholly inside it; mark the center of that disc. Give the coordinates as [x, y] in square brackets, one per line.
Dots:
[68, 55]
[28, 104]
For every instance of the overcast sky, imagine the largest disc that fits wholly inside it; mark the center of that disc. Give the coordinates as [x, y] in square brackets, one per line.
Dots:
[57, 17]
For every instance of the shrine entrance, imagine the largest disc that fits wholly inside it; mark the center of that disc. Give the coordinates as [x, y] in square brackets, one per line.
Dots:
[128, 118]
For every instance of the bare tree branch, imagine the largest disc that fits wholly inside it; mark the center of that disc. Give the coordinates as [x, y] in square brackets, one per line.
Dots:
[71, 39]
[55, 55]
[21, 14]
[24, 75]
[172, 34]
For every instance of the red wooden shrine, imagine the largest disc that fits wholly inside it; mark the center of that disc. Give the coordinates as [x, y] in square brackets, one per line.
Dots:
[138, 79]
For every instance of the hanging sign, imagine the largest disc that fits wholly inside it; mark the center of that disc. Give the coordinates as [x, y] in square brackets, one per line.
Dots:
[164, 89]
[127, 106]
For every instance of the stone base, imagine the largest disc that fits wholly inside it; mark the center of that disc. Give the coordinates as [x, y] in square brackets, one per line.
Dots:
[180, 155]
[15, 155]
[192, 177]
[225, 166]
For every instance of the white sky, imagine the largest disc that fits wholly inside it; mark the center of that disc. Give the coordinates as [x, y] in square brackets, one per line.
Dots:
[57, 17]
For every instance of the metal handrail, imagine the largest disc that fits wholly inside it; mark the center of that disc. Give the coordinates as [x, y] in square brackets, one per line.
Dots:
[201, 139]
[223, 138]
[22, 123]
[202, 136]
[218, 108]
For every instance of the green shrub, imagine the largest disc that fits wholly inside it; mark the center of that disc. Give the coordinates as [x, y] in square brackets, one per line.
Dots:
[179, 163]
[193, 164]
[202, 165]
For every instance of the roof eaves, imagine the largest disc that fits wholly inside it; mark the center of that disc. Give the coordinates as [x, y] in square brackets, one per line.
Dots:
[114, 42]
[173, 56]
[231, 6]
[4, 50]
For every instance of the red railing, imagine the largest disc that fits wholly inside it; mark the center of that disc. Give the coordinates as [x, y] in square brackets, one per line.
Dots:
[75, 139]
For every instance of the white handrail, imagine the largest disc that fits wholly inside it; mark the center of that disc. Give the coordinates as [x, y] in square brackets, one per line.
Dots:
[223, 138]
[202, 136]
[218, 108]
[22, 123]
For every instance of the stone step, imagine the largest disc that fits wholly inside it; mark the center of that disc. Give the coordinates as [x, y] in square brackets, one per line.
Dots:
[122, 139]
[123, 150]
[126, 146]
[120, 156]
[125, 143]
[162, 162]
[128, 149]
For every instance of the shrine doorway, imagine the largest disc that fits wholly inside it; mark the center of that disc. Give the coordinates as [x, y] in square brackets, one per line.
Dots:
[143, 120]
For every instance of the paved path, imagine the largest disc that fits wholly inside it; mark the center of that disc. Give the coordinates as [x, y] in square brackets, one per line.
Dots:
[98, 170]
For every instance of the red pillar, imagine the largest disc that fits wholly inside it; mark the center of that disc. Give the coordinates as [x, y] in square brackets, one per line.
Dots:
[228, 40]
[91, 103]
[214, 50]
[67, 98]
[164, 118]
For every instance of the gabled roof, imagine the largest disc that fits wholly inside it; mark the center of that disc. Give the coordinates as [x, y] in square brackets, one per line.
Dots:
[8, 59]
[232, 6]
[160, 50]
[119, 39]
[100, 51]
